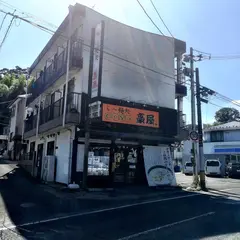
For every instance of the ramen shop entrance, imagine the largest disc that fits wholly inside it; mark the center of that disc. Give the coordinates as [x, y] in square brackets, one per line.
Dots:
[128, 166]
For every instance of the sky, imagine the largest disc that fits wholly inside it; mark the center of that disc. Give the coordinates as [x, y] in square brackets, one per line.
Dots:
[210, 26]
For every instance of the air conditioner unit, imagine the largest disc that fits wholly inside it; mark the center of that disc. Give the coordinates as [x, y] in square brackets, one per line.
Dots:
[48, 168]
[95, 109]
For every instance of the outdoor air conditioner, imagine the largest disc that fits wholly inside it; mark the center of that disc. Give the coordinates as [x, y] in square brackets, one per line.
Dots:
[95, 109]
[48, 168]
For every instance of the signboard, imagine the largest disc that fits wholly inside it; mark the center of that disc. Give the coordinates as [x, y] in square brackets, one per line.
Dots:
[96, 60]
[159, 166]
[131, 116]
[193, 135]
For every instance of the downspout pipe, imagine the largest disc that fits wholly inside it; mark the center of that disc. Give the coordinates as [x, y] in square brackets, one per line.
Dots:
[68, 64]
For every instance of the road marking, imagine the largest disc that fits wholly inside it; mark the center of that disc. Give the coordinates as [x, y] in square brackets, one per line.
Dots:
[96, 211]
[165, 226]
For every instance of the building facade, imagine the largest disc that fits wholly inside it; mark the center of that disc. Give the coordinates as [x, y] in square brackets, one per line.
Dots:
[16, 128]
[122, 78]
[221, 142]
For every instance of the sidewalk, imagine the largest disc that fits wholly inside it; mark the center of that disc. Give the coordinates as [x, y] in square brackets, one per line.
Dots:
[118, 194]
[6, 167]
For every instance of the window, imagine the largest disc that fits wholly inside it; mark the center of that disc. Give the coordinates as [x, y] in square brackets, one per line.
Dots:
[50, 148]
[189, 164]
[98, 161]
[216, 136]
[235, 159]
[213, 163]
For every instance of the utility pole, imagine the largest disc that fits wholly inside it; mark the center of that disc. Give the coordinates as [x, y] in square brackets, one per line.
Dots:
[200, 132]
[87, 117]
[193, 112]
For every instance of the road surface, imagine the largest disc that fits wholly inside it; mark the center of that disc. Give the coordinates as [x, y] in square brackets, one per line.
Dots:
[31, 213]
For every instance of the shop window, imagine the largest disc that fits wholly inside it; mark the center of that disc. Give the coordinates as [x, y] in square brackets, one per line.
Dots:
[98, 161]
[233, 158]
[227, 158]
[216, 136]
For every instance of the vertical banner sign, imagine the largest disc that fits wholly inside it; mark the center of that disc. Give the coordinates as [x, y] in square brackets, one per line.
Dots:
[96, 60]
[159, 166]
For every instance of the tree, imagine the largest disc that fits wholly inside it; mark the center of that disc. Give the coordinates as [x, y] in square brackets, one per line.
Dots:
[225, 115]
[12, 83]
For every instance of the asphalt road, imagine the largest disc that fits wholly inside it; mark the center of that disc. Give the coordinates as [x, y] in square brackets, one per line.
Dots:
[171, 215]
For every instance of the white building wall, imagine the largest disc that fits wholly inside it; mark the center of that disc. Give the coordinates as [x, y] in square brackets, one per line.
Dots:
[123, 80]
[63, 151]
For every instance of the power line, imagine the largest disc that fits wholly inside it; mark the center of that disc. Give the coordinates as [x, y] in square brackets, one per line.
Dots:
[3, 21]
[108, 53]
[10, 6]
[8, 30]
[153, 21]
[161, 18]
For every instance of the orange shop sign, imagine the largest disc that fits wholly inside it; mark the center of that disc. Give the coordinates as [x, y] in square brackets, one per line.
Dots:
[132, 116]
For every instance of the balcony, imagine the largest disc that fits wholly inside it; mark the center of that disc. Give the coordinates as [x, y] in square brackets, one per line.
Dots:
[57, 69]
[30, 126]
[52, 116]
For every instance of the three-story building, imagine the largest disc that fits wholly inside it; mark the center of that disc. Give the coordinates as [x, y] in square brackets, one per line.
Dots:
[128, 82]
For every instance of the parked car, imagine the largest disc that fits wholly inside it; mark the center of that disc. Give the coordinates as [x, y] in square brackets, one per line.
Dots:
[177, 168]
[213, 167]
[233, 170]
[188, 168]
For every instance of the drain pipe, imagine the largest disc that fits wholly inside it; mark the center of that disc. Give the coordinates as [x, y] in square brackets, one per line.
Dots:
[68, 64]
[70, 155]
[38, 115]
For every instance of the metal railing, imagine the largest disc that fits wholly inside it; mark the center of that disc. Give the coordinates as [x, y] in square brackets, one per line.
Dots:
[57, 68]
[74, 102]
[55, 110]
[51, 112]
[31, 123]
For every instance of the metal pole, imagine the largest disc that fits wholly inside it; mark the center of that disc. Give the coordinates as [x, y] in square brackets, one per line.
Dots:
[200, 132]
[68, 63]
[179, 98]
[193, 112]
[87, 118]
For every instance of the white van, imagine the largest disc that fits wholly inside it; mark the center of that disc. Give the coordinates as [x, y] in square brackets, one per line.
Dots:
[188, 168]
[213, 167]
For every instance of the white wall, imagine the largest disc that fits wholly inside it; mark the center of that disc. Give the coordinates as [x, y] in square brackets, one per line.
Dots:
[123, 80]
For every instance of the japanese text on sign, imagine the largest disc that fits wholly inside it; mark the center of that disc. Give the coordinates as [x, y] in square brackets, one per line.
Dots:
[132, 116]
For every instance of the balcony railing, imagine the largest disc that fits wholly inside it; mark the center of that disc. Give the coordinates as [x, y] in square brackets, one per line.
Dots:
[30, 123]
[74, 102]
[51, 112]
[56, 69]
[55, 110]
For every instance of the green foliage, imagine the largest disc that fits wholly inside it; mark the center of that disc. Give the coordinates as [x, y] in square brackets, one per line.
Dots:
[225, 115]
